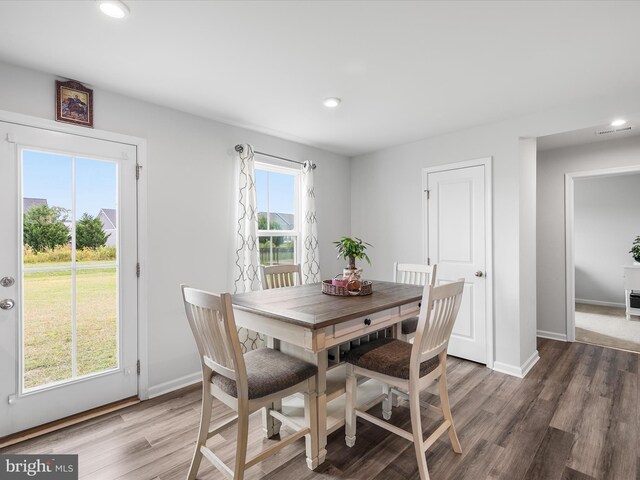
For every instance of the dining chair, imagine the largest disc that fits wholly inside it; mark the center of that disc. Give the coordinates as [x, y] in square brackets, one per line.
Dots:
[245, 383]
[412, 274]
[276, 276]
[408, 369]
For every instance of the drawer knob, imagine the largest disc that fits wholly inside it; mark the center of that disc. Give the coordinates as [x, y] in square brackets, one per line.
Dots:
[367, 321]
[419, 304]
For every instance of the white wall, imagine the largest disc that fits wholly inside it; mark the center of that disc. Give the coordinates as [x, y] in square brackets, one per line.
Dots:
[606, 221]
[386, 201]
[552, 167]
[189, 177]
[527, 258]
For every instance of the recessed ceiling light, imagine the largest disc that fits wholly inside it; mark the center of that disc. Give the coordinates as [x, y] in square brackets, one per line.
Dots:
[618, 123]
[114, 8]
[331, 102]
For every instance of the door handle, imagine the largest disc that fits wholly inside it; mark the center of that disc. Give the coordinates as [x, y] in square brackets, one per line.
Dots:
[7, 304]
[479, 273]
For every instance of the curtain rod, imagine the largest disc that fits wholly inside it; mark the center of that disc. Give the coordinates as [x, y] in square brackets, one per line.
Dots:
[240, 148]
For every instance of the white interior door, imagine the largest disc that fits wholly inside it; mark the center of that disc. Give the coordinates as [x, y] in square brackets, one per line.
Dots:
[456, 242]
[68, 329]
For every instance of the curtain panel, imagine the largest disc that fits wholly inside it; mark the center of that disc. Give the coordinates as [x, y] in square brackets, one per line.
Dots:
[246, 269]
[309, 229]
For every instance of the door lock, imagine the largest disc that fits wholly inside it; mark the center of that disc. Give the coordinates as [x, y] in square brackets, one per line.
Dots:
[7, 281]
[7, 304]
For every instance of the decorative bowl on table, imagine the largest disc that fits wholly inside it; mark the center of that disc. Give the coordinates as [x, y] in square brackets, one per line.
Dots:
[346, 289]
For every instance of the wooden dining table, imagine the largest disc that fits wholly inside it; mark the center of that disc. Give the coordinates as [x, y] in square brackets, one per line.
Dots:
[303, 322]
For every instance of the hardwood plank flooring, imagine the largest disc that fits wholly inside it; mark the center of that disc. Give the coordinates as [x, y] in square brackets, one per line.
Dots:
[575, 417]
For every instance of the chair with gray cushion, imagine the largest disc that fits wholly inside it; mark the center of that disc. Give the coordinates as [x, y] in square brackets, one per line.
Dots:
[277, 276]
[407, 369]
[245, 383]
[412, 274]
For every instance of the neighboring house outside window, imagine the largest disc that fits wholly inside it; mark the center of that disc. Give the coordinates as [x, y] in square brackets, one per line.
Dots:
[29, 203]
[109, 221]
[278, 201]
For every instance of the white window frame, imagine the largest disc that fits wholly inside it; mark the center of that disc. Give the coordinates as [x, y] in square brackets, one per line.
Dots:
[296, 232]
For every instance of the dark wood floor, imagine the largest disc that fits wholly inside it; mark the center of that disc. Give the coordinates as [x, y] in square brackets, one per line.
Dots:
[575, 416]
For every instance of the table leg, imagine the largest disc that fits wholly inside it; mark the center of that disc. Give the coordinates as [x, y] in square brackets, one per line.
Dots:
[322, 363]
[321, 360]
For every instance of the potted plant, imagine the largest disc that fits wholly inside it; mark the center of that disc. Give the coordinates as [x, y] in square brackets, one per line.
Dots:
[352, 248]
[635, 250]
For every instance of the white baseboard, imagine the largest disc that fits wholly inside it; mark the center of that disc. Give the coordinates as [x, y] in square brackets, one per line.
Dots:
[562, 337]
[599, 303]
[528, 365]
[170, 386]
[515, 371]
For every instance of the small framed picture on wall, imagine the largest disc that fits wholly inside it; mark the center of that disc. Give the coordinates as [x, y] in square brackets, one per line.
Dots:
[74, 103]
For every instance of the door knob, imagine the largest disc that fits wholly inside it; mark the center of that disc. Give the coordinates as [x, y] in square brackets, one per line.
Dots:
[479, 273]
[7, 304]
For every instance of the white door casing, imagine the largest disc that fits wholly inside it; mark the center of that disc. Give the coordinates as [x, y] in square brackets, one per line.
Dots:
[458, 239]
[21, 408]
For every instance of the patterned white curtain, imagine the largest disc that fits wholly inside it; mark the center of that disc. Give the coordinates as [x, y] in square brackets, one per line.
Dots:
[310, 252]
[246, 270]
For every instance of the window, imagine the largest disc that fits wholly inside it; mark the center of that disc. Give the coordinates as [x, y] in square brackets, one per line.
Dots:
[70, 267]
[277, 199]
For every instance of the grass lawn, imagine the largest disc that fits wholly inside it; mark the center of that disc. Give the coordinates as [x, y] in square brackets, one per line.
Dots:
[47, 324]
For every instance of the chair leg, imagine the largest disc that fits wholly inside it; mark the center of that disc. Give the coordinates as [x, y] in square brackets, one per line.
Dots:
[311, 420]
[395, 401]
[242, 439]
[350, 414]
[387, 403]
[277, 405]
[205, 420]
[446, 407]
[416, 429]
[270, 425]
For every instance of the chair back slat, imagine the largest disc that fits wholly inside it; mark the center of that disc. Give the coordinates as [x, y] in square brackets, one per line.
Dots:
[414, 273]
[278, 276]
[440, 306]
[214, 329]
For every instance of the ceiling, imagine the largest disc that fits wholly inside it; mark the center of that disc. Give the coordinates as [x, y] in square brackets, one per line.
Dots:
[404, 70]
[590, 135]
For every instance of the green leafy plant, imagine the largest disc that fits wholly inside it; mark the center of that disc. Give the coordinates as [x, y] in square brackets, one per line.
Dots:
[635, 249]
[44, 228]
[352, 248]
[89, 233]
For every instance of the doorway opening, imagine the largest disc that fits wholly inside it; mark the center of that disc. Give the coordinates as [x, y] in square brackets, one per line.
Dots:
[602, 222]
[588, 189]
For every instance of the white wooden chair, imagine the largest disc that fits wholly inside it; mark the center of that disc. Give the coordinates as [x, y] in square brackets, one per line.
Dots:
[413, 274]
[408, 369]
[277, 276]
[245, 383]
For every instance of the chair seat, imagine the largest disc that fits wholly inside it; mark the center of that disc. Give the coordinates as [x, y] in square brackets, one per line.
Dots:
[268, 371]
[388, 356]
[410, 325]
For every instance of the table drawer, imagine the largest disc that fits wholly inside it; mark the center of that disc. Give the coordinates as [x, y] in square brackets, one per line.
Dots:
[410, 308]
[363, 322]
